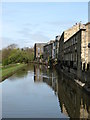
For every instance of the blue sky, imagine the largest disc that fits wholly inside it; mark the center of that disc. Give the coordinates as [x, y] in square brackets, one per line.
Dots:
[28, 23]
[89, 11]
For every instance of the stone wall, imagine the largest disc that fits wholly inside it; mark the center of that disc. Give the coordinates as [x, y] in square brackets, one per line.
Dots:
[71, 31]
[85, 50]
[38, 50]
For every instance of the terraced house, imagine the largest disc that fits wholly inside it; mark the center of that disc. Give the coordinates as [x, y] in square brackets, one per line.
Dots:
[47, 54]
[55, 47]
[51, 50]
[38, 51]
[74, 51]
[72, 48]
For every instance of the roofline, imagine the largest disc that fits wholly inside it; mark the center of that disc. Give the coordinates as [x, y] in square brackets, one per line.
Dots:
[47, 44]
[87, 23]
[40, 43]
[82, 29]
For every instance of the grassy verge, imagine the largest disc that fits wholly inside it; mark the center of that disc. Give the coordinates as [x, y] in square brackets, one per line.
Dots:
[11, 69]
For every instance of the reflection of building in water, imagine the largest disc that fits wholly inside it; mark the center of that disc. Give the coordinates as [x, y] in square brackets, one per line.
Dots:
[43, 74]
[37, 74]
[64, 110]
[51, 80]
[73, 101]
[54, 83]
[83, 111]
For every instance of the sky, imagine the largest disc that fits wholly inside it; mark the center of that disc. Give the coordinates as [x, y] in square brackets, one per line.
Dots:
[28, 23]
[89, 11]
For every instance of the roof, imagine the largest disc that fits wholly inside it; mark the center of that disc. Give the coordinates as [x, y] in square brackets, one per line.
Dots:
[75, 34]
[39, 43]
[87, 23]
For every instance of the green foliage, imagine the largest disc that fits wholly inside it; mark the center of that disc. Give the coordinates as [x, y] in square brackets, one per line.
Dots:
[16, 55]
[5, 61]
[10, 69]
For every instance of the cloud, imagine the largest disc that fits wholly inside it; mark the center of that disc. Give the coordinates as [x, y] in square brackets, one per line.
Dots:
[25, 31]
[38, 37]
[31, 33]
[6, 41]
[31, 25]
[32, 36]
[60, 23]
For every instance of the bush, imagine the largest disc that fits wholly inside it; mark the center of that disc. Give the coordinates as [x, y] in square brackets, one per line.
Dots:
[17, 56]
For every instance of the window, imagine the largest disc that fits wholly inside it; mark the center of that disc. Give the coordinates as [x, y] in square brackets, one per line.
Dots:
[54, 51]
[38, 50]
[76, 39]
[88, 45]
[76, 57]
[71, 56]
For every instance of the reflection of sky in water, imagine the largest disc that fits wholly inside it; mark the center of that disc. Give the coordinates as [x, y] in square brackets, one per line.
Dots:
[23, 98]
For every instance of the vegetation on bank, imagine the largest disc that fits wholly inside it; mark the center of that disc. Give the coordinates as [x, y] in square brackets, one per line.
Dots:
[11, 69]
[12, 54]
[13, 58]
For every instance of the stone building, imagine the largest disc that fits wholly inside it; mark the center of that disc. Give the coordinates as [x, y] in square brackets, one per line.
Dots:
[60, 52]
[87, 43]
[64, 37]
[55, 47]
[74, 51]
[71, 31]
[51, 50]
[47, 54]
[38, 50]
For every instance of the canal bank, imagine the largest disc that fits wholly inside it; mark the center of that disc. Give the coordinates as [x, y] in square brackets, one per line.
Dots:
[40, 63]
[81, 78]
[9, 70]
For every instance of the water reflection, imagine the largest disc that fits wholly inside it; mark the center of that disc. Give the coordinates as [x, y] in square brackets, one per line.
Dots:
[22, 73]
[74, 102]
[43, 93]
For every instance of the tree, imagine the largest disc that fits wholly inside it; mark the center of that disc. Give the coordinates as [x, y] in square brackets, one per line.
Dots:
[12, 54]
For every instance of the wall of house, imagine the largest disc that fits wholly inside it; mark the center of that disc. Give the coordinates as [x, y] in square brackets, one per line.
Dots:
[71, 31]
[48, 52]
[61, 52]
[38, 50]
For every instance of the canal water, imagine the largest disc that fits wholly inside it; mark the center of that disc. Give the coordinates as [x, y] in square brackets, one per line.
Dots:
[38, 92]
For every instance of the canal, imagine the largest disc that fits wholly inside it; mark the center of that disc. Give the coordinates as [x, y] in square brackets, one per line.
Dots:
[38, 92]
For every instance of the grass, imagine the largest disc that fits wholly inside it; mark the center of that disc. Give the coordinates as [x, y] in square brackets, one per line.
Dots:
[11, 69]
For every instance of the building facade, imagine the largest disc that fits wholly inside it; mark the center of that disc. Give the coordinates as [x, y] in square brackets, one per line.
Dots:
[74, 50]
[47, 54]
[71, 49]
[60, 52]
[55, 48]
[64, 37]
[88, 43]
[38, 51]
[51, 50]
